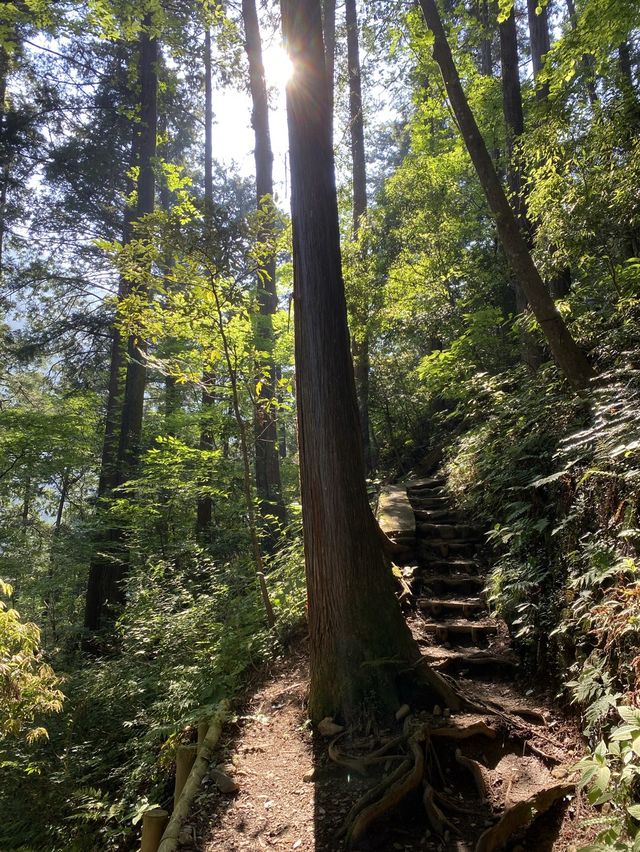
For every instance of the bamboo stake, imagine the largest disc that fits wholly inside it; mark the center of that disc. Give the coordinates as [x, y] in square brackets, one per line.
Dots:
[154, 823]
[185, 758]
[169, 841]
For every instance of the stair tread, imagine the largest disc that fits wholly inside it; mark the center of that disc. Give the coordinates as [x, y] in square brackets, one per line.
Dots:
[452, 579]
[452, 602]
[460, 625]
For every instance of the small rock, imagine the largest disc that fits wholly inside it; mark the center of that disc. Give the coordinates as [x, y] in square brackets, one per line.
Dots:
[437, 710]
[297, 844]
[308, 777]
[328, 728]
[269, 804]
[402, 712]
[559, 772]
[223, 782]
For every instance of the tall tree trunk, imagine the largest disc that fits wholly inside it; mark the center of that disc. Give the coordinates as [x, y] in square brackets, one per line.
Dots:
[329, 36]
[267, 458]
[568, 355]
[204, 507]
[106, 571]
[514, 122]
[587, 59]
[136, 376]
[358, 637]
[486, 58]
[360, 345]
[539, 41]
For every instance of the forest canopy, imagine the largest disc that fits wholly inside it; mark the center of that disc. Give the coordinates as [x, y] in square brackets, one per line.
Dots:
[227, 321]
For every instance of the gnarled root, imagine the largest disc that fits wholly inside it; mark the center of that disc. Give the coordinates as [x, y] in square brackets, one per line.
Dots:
[437, 820]
[389, 793]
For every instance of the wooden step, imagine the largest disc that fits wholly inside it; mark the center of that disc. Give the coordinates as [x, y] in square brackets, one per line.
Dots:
[448, 582]
[452, 565]
[426, 483]
[448, 531]
[465, 607]
[427, 547]
[455, 659]
[433, 516]
[477, 631]
[429, 502]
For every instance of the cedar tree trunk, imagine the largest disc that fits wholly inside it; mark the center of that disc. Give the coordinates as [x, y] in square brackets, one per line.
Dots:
[106, 571]
[359, 177]
[358, 637]
[267, 462]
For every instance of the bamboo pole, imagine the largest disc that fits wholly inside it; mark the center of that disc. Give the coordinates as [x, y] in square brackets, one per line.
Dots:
[185, 758]
[169, 842]
[154, 822]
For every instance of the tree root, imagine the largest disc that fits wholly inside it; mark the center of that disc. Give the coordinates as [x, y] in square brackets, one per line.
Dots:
[389, 793]
[359, 764]
[476, 771]
[519, 815]
[473, 730]
[437, 820]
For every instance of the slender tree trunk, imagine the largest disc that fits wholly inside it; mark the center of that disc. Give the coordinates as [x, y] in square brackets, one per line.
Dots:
[329, 36]
[267, 458]
[539, 41]
[358, 637]
[360, 345]
[587, 59]
[204, 507]
[566, 352]
[133, 401]
[486, 58]
[106, 571]
[514, 122]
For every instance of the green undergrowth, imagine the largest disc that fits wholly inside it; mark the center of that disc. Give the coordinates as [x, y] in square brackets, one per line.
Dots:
[556, 480]
[192, 634]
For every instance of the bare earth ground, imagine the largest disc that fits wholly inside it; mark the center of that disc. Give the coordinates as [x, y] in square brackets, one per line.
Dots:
[292, 797]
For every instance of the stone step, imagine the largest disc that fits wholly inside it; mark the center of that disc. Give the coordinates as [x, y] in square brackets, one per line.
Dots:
[443, 583]
[448, 531]
[477, 631]
[465, 607]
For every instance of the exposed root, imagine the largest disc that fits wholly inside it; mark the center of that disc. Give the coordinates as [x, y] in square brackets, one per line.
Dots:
[360, 764]
[476, 771]
[519, 815]
[462, 733]
[437, 820]
[389, 793]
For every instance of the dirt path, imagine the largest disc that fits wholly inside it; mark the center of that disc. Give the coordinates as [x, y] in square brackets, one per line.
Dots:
[292, 797]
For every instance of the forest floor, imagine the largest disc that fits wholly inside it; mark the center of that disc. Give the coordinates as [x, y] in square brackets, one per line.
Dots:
[506, 755]
[292, 797]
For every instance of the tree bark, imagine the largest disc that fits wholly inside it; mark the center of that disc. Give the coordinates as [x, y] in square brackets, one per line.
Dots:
[105, 594]
[204, 506]
[359, 183]
[136, 376]
[540, 43]
[358, 637]
[568, 355]
[267, 458]
[329, 36]
[514, 122]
